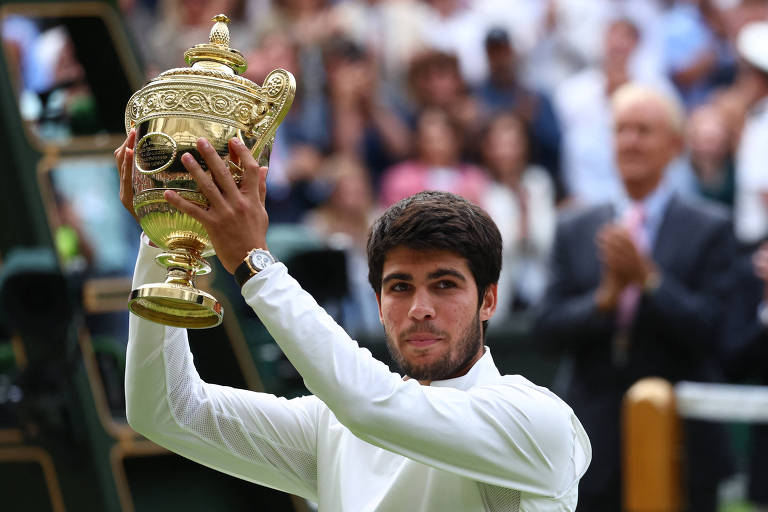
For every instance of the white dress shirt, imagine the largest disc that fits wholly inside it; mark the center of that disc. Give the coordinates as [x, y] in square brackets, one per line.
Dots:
[367, 440]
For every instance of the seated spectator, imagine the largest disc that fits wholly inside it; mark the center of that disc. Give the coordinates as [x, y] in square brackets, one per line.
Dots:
[302, 138]
[583, 106]
[698, 55]
[437, 164]
[342, 221]
[710, 154]
[638, 289]
[360, 123]
[457, 28]
[185, 23]
[434, 81]
[521, 200]
[504, 91]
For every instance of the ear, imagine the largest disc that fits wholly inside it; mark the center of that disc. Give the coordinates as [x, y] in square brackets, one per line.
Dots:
[378, 302]
[490, 300]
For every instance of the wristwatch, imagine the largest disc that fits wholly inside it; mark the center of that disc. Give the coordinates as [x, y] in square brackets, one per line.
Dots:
[254, 262]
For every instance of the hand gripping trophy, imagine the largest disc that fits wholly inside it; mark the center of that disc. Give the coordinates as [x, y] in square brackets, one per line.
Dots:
[208, 99]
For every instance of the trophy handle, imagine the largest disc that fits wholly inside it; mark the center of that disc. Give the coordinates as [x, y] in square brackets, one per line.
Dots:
[280, 89]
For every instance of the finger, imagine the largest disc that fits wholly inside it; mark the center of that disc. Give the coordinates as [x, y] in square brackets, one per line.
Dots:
[240, 153]
[204, 182]
[219, 172]
[126, 174]
[263, 171]
[186, 206]
[120, 151]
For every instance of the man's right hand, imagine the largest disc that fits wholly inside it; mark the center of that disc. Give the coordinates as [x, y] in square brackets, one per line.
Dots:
[612, 279]
[124, 160]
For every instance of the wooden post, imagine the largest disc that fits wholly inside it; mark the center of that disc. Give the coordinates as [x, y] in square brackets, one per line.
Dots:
[651, 448]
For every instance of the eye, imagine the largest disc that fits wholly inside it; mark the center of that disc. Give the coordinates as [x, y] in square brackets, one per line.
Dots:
[399, 287]
[445, 284]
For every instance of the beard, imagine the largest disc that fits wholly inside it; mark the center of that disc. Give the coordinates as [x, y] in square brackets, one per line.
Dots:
[458, 357]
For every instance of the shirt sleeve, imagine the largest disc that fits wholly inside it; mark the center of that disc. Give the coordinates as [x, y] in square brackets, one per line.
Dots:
[510, 434]
[254, 436]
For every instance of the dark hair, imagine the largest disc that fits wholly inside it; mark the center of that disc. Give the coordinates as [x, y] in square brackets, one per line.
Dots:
[437, 220]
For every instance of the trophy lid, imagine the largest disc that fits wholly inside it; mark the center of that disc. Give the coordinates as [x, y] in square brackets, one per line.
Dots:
[216, 53]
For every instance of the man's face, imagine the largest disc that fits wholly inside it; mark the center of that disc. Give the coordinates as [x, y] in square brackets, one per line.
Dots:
[428, 305]
[645, 142]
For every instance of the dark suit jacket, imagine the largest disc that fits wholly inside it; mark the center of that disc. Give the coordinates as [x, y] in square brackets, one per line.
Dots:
[676, 331]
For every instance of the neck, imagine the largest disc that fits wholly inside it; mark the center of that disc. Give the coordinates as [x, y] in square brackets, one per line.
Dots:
[639, 191]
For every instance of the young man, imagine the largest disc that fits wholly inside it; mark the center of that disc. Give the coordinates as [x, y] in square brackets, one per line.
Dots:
[452, 435]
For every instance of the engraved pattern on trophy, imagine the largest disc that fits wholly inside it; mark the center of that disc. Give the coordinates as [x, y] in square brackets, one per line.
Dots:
[169, 114]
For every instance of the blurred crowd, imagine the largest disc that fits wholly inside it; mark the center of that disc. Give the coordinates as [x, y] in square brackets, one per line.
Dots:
[506, 106]
[511, 104]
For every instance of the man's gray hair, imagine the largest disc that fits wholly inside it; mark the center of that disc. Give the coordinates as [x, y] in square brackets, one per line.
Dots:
[631, 92]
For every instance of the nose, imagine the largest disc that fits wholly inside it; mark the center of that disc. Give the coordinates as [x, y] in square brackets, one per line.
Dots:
[421, 307]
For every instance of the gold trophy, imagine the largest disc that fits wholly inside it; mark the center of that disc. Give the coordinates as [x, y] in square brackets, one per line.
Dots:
[208, 99]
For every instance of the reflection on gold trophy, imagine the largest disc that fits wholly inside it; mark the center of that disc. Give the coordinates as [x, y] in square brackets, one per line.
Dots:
[208, 99]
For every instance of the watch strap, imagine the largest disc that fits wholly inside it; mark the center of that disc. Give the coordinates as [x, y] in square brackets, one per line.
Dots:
[244, 272]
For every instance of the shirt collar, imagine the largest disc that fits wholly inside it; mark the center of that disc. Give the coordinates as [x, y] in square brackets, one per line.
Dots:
[484, 371]
[654, 205]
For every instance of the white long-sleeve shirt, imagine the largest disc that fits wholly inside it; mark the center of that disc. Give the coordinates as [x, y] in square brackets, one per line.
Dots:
[367, 440]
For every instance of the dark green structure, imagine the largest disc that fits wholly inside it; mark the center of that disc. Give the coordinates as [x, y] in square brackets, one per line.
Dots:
[67, 70]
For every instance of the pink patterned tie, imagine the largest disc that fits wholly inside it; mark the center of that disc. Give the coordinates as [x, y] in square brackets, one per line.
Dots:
[633, 221]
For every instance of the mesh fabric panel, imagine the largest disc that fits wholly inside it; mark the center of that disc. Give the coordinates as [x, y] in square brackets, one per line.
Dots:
[196, 413]
[500, 499]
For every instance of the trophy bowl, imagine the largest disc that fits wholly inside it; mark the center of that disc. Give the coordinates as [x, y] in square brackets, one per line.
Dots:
[208, 99]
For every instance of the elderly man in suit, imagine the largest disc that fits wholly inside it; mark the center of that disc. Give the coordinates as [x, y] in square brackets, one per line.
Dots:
[637, 290]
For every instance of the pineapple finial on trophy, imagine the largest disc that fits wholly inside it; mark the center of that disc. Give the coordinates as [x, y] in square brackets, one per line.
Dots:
[220, 31]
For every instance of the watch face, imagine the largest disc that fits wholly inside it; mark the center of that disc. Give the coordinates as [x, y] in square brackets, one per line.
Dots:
[261, 260]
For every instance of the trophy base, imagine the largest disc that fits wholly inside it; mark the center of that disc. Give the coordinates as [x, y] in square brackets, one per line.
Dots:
[176, 305]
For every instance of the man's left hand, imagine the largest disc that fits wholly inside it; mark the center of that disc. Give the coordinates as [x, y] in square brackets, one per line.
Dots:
[236, 218]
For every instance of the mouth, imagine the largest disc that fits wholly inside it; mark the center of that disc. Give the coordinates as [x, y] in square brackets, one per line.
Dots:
[422, 340]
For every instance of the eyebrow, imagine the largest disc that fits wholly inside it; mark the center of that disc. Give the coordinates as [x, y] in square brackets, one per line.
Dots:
[441, 272]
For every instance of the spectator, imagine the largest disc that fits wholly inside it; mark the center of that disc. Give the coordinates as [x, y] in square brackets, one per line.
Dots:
[360, 123]
[434, 81]
[301, 138]
[437, 164]
[503, 91]
[637, 289]
[456, 28]
[710, 154]
[583, 107]
[699, 59]
[751, 203]
[342, 221]
[392, 31]
[572, 33]
[185, 23]
[521, 200]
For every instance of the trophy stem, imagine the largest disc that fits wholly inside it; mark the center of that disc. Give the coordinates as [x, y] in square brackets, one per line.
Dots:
[177, 302]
